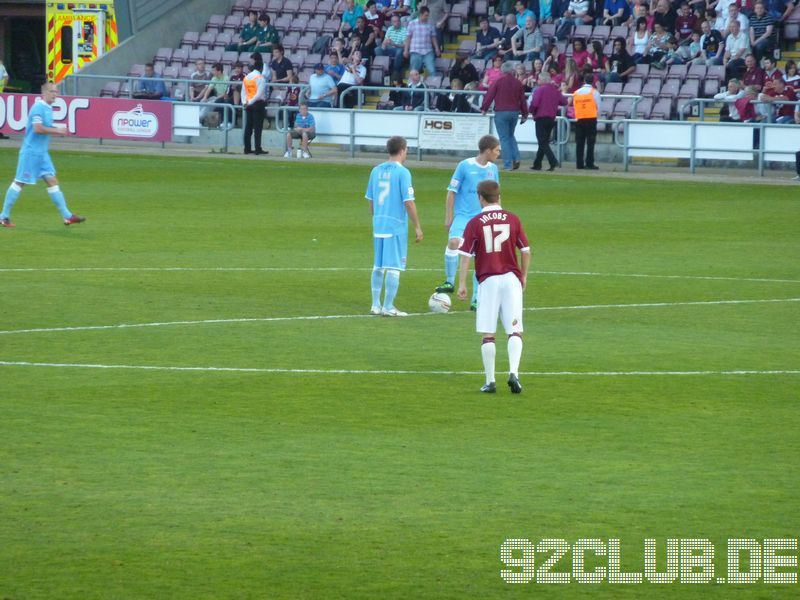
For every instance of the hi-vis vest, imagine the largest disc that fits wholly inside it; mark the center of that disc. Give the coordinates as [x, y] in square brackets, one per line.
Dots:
[585, 106]
[250, 87]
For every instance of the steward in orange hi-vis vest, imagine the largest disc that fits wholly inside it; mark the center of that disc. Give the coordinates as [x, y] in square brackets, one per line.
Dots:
[585, 105]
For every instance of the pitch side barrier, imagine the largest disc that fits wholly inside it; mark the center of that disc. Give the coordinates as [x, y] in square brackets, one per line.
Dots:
[699, 140]
[696, 107]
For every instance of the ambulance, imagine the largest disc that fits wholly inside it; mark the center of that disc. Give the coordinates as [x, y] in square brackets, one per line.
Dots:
[77, 34]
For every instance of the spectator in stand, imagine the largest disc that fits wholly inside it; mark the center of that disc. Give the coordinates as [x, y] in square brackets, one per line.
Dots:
[488, 40]
[579, 13]
[354, 74]
[746, 108]
[492, 74]
[619, 64]
[362, 38]
[508, 96]
[321, 88]
[597, 60]
[665, 16]
[779, 10]
[579, 52]
[374, 17]
[689, 52]
[736, 46]
[712, 47]
[535, 74]
[292, 98]
[729, 97]
[215, 89]
[521, 13]
[414, 98]
[658, 45]
[522, 75]
[544, 108]
[248, 37]
[151, 86]
[267, 35]
[457, 103]
[615, 12]
[282, 67]
[334, 67]
[397, 94]
[401, 8]
[506, 49]
[771, 73]
[463, 70]
[685, 23]
[783, 114]
[572, 76]
[527, 43]
[546, 12]
[202, 77]
[641, 11]
[734, 14]
[672, 56]
[393, 44]
[754, 75]
[422, 45]
[762, 32]
[254, 97]
[232, 95]
[303, 129]
[350, 13]
[791, 77]
[639, 40]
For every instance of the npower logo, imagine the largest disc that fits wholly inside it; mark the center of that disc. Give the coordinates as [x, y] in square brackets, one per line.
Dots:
[134, 123]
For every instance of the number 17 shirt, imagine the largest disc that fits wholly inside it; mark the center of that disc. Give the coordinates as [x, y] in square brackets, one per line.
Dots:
[493, 238]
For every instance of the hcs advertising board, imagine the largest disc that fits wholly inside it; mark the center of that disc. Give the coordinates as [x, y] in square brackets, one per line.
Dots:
[106, 118]
[446, 132]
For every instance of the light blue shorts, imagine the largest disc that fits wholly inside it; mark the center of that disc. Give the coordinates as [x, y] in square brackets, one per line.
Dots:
[391, 252]
[458, 226]
[32, 167]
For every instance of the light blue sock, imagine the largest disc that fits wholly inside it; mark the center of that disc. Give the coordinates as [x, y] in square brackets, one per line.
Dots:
[450, 265]
[474, 287]
[377, 284]
[58, 199]
[12, 195]
[392, 285]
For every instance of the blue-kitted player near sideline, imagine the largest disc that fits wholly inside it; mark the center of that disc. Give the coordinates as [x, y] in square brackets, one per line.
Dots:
[34, 160]
[391, 200]
[462, 204]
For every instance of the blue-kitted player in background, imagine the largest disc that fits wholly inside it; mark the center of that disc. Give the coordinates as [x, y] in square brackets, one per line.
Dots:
[34, 160]
[391, 199]
[462, 204]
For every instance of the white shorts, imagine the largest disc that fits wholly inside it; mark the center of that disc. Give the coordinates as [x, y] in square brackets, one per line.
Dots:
[499, 296]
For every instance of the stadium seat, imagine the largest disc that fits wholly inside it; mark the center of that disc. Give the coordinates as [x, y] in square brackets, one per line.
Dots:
[307, 7]
[258, 5]
[125, 90]
[601, 32]
[690, 89]
[136, 70]
[678, 72]
[244, 57]
[306, 41]
[582, 32]
[110, 89]
[453, 26]
[643, 70]
[312, 59]
[299, 24]
[298, 58]
[274, 6]
[467, 46]
[651, 88]
[662, 109]
[711, 87]
[433, 82]
[643, 109]
[159, 66]
[171, 73]
[443, 65]
[480, 8]
[606, 108]
[316, 24]
[622, 109]
[619, 31]
[670, 89]
[696, 72]
[304, 75]
[163, 55]
[548, 31]
[291, 40]
[331, 26]
[684, 108]
[240, 7]
[614, 87]
[283, 23]
[633, 88]
[325, 8]
[185, 72]
[290, 7]
[215, 23]
[716, 72]
[206, 39]
[224, 39]
[213, 56]
[229, 57]
[198, 54]
[189, 40]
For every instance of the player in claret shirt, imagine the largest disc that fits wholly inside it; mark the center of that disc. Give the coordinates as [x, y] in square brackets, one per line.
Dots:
[34, 159]
[493, 238]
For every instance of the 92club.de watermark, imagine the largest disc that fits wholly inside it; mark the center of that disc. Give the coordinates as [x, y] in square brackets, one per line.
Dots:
[676, 560]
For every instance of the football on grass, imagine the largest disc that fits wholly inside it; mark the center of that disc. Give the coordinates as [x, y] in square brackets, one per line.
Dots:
[439, 303]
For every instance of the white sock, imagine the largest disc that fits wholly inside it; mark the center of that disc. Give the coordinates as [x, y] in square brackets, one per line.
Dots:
[488, 351]
[514, 353]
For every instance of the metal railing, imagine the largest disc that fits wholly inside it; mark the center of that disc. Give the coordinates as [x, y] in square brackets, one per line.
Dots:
[686, 110]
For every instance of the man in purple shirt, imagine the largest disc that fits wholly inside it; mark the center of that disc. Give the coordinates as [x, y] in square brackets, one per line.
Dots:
[545, 103]
[508, 95]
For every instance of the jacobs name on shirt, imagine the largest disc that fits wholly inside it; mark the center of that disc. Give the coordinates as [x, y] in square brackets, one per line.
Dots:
[493, 216]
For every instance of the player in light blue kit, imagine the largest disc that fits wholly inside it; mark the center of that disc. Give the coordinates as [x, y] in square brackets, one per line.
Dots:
[34, 160]
[391, 200]
[462, 204]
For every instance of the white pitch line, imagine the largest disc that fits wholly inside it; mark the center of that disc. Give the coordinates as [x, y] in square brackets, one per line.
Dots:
[368, 316]
[9, 363]
[364, 269]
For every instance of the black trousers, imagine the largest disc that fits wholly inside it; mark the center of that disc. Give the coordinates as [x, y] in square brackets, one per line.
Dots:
[254, 124]
[797, 162]
[585, 137]
[544, 129]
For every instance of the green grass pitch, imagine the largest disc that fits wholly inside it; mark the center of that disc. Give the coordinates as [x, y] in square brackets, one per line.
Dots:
[344, 482]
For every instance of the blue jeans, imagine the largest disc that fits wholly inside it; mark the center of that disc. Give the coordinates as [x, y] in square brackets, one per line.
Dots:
[505, 122]
[429, 59]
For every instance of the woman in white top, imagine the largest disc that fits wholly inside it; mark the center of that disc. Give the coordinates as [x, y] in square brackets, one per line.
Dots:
[638, 41]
